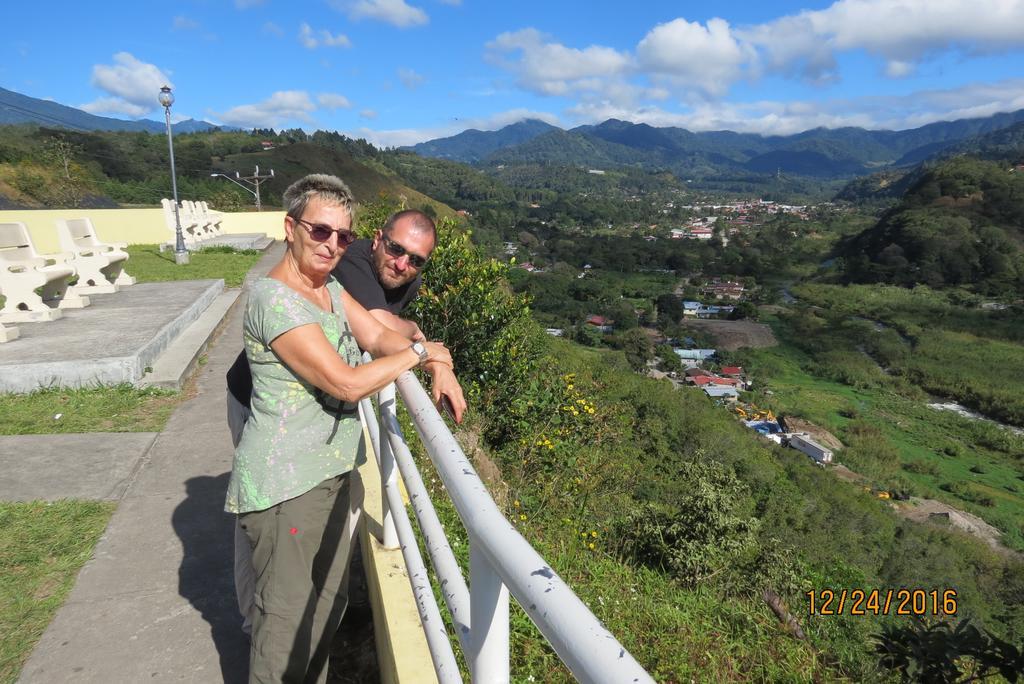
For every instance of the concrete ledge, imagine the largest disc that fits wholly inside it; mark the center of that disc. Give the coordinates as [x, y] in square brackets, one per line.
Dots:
[176, 363]
[402, 651]
[8, 333]
[111, 342]
[257, 241]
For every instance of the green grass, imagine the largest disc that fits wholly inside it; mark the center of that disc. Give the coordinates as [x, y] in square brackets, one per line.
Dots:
[41, 551]
[893, 439]
[149, 265]
[121, 408]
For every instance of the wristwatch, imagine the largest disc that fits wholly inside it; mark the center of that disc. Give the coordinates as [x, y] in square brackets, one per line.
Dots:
[420, 350]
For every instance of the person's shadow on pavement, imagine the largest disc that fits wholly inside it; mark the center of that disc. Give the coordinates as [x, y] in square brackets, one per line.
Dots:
[206, 574]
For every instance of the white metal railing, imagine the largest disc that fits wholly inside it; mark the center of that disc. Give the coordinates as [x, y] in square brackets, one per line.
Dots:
[501, 560]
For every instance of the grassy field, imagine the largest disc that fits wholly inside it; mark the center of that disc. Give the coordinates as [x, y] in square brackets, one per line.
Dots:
[898, 442]
[149, 265]
[122, 408]
[43, 547]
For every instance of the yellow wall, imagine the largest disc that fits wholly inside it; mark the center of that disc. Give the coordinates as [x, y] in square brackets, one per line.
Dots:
[134, 226]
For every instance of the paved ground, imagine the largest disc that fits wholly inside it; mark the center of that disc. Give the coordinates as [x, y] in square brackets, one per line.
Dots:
[110, 341]
[156, 602]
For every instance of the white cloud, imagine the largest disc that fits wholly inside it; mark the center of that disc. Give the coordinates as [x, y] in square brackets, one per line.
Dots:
[410, 79]
[700, 62]
[182, 23]
[115, 105]
[394, 12]
[280, 109]
[771, 117]
[691, 55]
[551, 68]
[333, 101]
[902, 33]
[273, 29]
[368, 114]
[131, 81]
[898, 69]
[313, 39]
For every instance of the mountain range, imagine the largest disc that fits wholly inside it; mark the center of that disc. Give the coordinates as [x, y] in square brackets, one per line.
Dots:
[820, 152]
[16, 108]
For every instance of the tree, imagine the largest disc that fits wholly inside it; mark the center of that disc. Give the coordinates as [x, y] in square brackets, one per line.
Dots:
[70, 186]
[942, 653]
[637, 346]
[670, 309]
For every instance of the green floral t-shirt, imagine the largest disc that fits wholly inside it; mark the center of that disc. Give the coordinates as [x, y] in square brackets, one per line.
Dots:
[297, 436]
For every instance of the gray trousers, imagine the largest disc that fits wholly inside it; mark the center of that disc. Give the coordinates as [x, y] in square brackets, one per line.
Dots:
[300, 554]
[245, 576]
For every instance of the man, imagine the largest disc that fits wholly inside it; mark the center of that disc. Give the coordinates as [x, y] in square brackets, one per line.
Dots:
[384, 275]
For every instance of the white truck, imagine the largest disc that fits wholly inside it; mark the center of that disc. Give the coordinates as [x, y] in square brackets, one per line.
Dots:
[802, 442]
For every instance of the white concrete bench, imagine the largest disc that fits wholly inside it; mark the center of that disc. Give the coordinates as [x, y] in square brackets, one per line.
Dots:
[190, 232]
[100, 265]
[203, 229]
[23, 270]
[7, 334]
[212, 218]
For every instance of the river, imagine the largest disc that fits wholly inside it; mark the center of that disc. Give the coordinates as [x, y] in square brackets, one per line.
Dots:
[974, 415]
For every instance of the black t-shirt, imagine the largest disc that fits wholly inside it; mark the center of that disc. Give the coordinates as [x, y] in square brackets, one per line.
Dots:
[355, 271]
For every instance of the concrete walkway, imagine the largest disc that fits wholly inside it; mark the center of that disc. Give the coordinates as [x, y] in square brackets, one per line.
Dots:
[157, 602]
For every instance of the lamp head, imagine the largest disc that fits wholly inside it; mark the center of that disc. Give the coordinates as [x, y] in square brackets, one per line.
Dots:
[165, 97]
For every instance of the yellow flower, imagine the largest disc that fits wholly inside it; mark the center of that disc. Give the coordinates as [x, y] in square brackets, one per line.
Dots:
[516, 503]
[590, 546]
[593, 533]
[522, 516]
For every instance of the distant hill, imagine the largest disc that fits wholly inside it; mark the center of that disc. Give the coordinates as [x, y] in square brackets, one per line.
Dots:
[820, 152]
[960, 224]
[107, 168]
[291, 162]
[1003, 144]
[472, 146]
[16, 108]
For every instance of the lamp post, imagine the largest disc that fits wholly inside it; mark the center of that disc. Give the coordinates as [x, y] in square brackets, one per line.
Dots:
[180, 253]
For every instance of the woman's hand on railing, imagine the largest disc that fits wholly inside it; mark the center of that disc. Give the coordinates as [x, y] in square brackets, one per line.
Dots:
[446, 391]
[438, 353]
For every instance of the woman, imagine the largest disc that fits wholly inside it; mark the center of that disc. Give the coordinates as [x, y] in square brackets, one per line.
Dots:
[290, 478]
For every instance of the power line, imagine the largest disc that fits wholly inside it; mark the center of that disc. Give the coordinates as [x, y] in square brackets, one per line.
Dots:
[42, 117]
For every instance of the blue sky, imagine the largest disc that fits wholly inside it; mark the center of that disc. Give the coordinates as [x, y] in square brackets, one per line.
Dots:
[402, 71]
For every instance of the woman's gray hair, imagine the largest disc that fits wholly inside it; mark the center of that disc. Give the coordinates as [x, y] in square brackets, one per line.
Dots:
[328, 189]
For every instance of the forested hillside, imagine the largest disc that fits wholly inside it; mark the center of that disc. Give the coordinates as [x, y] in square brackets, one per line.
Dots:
[59, 168]
[696, 541]
[960, 224]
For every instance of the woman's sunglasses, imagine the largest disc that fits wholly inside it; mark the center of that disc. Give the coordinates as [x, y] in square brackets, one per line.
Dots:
[322, 233]
[396, 250]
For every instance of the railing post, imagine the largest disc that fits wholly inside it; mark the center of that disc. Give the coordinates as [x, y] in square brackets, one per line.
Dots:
[488, 658]
[386, 402]
[386, 466]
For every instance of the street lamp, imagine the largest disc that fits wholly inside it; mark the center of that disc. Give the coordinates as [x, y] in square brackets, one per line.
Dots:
[180, 253]
[253, 180]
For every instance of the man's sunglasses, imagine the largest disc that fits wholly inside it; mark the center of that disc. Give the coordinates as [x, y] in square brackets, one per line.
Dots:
[322, 233]
[396, 250]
